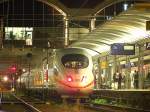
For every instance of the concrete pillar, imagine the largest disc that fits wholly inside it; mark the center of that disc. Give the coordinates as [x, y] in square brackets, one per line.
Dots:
[107, 78]
[140, 67]
[99, 81]
[115, 64]
[127, 73]
[96, 75]
[116, 68]
[110, 75]
[66, 31]
[92, 24]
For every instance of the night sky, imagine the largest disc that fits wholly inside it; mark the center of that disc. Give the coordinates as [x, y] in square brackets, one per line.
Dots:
[31, 13]
[81, 3]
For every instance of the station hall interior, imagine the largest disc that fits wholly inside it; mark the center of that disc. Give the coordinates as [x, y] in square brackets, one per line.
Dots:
[102, 44]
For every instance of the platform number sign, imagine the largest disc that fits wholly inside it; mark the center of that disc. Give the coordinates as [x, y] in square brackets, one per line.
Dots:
[147, 45]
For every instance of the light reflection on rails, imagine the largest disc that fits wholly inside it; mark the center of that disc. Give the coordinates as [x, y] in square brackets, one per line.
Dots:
[27, 104]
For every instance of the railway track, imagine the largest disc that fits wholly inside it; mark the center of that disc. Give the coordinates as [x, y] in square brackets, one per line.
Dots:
[10, 102]
[15, 101]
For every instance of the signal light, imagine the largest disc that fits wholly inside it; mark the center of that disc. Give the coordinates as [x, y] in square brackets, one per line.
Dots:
[13, 69]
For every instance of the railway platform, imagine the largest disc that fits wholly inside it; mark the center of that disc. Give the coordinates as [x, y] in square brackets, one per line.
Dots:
[135, 98]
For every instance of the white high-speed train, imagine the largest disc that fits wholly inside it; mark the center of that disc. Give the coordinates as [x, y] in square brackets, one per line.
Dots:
[73, 74]
[75, 70]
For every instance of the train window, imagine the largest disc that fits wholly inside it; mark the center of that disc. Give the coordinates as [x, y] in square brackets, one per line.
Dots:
[75, 61]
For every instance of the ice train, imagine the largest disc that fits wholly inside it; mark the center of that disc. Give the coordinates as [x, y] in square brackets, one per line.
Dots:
[75, 70]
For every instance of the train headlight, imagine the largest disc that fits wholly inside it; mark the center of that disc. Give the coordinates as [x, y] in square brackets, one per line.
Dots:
[69, 79]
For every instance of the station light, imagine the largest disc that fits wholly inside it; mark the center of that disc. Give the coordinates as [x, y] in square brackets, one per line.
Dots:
[109, 64]
[5, 78]
[23, 70]
[125, 6]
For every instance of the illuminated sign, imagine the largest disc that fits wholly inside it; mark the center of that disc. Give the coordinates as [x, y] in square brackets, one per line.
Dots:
[18, 33]
[122, 49]
[147, 45]
[128, 47]
[103, 64]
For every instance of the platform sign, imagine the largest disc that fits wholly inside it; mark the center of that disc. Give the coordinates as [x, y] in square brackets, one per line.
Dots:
[122, 49]
[147, 45]
[103, 64]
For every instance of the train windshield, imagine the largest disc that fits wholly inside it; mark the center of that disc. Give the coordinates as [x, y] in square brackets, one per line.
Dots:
[75, 61]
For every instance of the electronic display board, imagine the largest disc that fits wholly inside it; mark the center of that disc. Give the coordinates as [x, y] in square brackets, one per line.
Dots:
[122, 49]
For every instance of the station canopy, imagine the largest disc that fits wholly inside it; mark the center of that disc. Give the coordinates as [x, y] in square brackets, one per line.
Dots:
[127, 27]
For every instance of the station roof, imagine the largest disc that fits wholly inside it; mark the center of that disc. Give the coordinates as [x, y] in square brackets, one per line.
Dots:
[127, 27]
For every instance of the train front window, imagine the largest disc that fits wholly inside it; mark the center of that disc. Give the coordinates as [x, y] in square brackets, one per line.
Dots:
[75, 61]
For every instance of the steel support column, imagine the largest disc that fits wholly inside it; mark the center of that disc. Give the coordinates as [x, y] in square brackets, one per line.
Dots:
[92, 24]
[66, 31]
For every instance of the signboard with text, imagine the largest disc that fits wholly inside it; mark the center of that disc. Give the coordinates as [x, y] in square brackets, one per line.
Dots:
[122, 49]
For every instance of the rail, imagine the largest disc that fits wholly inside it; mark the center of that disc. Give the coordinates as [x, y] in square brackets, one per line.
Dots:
[27, 104]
